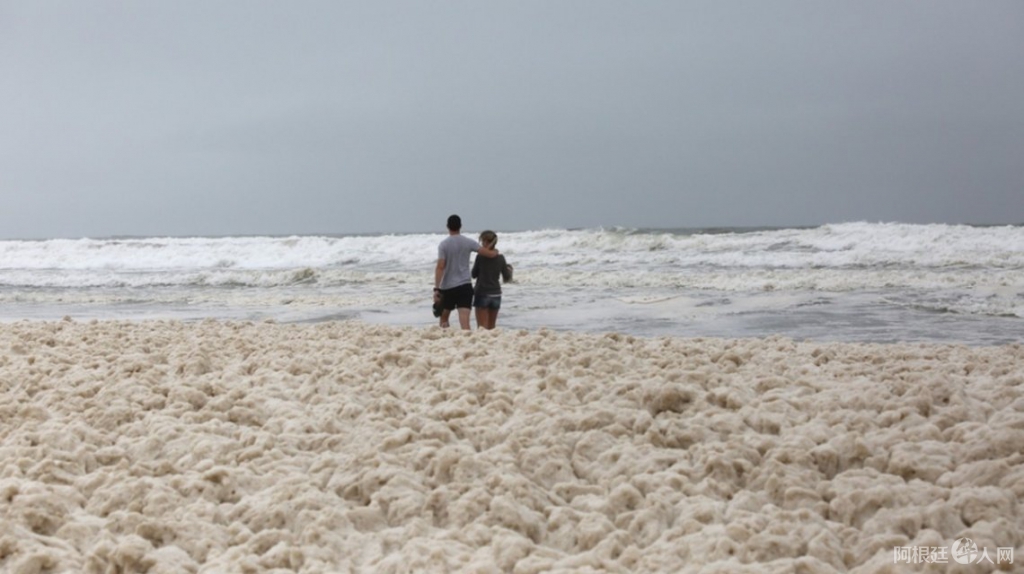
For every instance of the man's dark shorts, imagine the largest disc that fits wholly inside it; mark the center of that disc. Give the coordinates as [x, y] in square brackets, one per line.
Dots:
[461, 296]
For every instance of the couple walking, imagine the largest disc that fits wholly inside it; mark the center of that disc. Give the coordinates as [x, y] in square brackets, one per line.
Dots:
[453, 286]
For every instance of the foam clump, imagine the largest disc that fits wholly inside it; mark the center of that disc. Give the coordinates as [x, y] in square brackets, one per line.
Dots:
[170, 447]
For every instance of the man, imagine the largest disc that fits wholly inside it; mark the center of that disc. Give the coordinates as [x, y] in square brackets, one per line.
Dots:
[453, 287]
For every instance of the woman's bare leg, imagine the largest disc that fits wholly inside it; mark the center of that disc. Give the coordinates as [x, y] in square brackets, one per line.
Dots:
[481, 318]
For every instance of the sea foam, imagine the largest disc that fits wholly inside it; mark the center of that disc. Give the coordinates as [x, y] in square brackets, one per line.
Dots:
[211, 446]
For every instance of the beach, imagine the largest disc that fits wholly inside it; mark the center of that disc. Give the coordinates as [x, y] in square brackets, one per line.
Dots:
[168, 446]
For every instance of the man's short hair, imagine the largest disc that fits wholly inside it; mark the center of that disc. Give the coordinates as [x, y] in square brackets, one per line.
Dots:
[454, 222]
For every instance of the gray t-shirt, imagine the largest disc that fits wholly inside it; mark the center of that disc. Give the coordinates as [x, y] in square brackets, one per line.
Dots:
[455, 250]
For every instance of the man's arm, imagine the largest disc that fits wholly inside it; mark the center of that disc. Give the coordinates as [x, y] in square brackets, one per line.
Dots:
[438, 274]
[487, 251]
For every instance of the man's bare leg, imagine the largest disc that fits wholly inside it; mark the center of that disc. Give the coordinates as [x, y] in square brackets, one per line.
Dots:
[464, 317]
[444, 318]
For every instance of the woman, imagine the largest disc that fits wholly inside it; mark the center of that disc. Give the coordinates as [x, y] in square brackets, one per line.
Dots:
[487, 292]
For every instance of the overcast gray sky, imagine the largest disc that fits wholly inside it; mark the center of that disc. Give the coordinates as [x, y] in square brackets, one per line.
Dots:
[257, 117]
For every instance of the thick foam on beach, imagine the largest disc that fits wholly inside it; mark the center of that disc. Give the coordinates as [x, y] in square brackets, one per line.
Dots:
[169, 447]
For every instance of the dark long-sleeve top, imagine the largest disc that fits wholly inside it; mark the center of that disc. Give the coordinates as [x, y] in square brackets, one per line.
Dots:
[486, 271]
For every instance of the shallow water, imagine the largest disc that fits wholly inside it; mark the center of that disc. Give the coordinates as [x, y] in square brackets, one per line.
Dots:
[847, 282]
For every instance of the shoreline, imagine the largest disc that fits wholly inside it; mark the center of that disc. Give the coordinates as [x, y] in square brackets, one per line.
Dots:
[529, 321]
[349, 446]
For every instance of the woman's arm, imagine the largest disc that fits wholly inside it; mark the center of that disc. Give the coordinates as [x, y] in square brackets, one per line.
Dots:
[506, 271]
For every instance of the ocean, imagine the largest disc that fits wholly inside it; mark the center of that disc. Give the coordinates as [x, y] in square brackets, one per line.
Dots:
[872, 282]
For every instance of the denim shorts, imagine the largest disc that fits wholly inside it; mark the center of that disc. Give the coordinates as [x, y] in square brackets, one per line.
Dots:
[487, 301]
